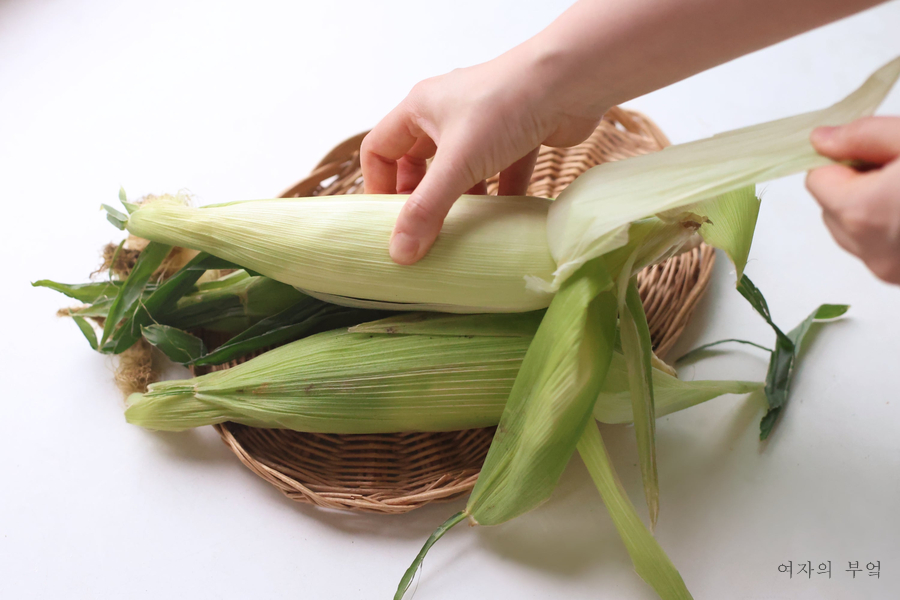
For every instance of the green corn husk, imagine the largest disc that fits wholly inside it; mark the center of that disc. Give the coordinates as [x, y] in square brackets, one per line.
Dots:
[650, 561]
[229, 304]
[338, 247]
[551, 400]
[232, 304]
[564, 371]
[412, 372]
[636, 347]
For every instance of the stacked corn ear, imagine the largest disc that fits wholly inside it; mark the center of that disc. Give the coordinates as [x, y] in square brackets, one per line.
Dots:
[414, 372]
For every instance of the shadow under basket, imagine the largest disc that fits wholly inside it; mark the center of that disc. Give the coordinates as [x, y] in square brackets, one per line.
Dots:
[395, 473]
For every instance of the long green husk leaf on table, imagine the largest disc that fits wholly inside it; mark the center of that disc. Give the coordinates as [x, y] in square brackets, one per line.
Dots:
[650, 561]
[557, 386]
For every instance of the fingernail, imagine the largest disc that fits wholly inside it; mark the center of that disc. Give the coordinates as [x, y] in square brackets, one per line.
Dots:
[822, 134]
[404, 248]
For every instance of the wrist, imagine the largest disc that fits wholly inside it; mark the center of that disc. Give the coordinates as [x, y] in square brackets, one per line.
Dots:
[557, 75]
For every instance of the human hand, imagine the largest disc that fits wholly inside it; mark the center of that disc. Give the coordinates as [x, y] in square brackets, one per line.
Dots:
[862, 209]
[475, 122]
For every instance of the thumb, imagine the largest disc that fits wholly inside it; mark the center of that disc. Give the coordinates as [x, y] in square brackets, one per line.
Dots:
[422, 216]
[830, 186]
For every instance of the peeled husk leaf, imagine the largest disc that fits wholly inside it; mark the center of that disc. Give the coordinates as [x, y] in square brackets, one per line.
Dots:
[591, 216]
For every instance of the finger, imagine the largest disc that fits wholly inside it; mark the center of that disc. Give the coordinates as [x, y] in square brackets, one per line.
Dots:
[831, 186]
[411, 166]
[393, 137]
[870, 139]
[423, 213]
[840, 235]
[515, 178]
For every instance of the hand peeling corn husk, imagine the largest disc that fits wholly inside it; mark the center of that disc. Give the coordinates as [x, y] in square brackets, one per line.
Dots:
[541, 377]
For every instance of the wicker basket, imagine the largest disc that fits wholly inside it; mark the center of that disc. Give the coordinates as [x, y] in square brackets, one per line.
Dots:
[395, 473]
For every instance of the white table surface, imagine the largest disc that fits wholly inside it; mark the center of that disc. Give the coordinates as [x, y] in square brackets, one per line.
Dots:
[234, 103]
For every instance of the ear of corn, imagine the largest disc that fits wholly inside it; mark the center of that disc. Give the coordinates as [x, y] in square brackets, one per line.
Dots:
[323, 395]
[339, 247]
[339, 382]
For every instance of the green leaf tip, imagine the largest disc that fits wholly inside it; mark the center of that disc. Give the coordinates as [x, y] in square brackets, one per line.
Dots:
[830, 311]
[752, 294]
[129, 206]
[768, 422]
[179, 346]
[410, 573]
[117, 218]
[87, 293]
[87, 330]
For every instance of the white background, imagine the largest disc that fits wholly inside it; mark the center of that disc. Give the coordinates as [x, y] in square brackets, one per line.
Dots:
[239, 102]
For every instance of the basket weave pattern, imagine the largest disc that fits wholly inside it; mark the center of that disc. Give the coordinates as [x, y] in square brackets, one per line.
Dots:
[395, 473]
